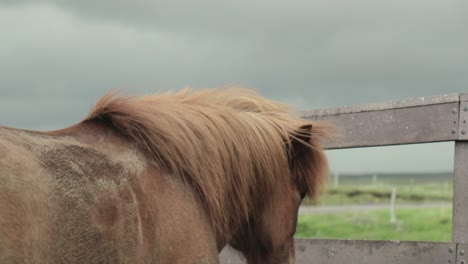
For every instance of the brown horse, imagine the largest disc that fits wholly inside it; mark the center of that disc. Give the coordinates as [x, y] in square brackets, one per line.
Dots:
[168, 178]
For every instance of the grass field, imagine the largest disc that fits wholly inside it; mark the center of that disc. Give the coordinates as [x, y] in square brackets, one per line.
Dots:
[421, 224]
[412, 225]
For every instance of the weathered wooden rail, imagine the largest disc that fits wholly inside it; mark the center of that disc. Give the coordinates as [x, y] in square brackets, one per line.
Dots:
[413, 121]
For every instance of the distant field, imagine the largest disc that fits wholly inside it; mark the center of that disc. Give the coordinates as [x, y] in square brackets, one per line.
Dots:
[421, 224]
[372, 189]
[412, 225]
[375, 194]
[391, 178]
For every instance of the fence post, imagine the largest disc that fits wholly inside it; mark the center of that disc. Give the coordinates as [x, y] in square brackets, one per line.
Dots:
[460, 194]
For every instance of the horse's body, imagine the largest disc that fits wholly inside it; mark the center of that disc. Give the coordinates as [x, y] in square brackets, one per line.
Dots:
[163, 179]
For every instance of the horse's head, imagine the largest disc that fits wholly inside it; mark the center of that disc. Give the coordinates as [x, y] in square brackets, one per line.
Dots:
[271, 230]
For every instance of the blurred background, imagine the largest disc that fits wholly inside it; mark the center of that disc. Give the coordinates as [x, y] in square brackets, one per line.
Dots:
[57, 57]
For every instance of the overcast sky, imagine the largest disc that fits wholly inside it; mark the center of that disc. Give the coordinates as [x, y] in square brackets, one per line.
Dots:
[58, 56]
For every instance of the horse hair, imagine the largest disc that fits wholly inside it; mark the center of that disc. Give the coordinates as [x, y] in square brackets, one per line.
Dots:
[230, 145]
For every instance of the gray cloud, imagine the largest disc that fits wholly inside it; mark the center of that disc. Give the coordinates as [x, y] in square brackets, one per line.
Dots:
[371, 47]
[58, 57]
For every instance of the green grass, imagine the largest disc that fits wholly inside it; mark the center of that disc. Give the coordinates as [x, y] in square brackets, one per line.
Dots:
[374, 194]
[412, 225]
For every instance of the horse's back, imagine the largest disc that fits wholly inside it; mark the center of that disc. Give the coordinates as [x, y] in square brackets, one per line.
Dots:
[82, 198]
[58, 198]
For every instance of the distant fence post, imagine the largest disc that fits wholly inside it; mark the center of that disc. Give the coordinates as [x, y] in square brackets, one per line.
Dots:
[392, 206]
[336, 179]
[374, 179]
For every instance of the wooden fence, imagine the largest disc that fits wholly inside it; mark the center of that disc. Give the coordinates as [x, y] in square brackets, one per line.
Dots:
[413, 121]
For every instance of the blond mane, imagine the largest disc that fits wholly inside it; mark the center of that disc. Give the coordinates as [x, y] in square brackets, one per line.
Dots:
[231, 145]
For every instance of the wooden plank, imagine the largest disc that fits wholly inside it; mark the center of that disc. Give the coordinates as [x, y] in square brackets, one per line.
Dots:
[363, 252]
[463, 121]
[464, 97]
[462, 253]
[393, 126]
[372, 107]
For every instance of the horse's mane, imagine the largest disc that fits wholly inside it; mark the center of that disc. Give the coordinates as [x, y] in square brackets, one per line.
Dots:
[231, 145]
